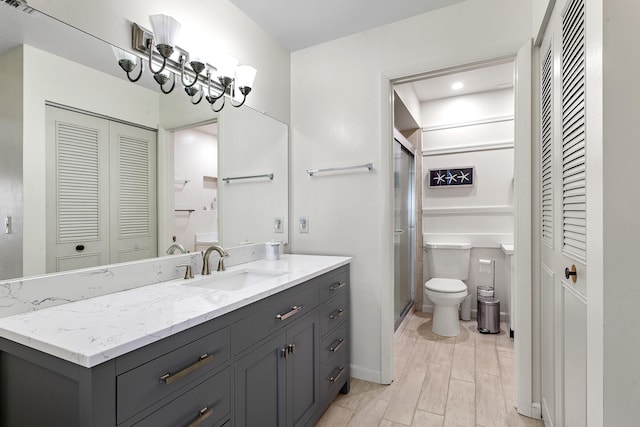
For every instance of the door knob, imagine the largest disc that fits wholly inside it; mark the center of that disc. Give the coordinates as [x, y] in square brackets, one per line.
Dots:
[571, 273]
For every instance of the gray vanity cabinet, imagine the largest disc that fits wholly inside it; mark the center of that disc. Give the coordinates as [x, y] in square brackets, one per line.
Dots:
[277, 382]
[277, 362]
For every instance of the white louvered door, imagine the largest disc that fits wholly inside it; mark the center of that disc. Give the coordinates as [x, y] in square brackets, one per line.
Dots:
[101, 191]
[77, 190]
[563, 197]
[133, 193]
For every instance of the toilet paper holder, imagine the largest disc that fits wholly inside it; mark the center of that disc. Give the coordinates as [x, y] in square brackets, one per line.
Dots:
[488, 266]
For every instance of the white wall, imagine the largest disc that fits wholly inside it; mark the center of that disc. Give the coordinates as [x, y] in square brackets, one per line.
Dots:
[219, 25]
[11, 86]
[613, 298]
[196, 161]
[462, 131]
[251, 144]
[482, 214]
[341, 115]
[71, 84]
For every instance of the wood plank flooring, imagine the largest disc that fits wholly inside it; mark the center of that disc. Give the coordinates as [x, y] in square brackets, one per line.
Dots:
[462, 381]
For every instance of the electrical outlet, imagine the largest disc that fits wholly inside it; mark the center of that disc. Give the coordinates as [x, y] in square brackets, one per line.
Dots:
[304, 224]
[278, 225]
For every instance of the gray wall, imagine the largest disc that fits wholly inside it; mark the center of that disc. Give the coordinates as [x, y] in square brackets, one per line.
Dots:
[11, 162]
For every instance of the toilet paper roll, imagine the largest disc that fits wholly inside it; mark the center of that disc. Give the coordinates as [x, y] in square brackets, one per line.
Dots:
[485, 265]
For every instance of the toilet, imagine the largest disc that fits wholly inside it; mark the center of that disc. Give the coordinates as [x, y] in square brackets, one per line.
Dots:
[448, 265]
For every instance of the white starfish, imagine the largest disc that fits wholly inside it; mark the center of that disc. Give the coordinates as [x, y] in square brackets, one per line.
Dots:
[464, 176]
[439, 178]
[451, 178]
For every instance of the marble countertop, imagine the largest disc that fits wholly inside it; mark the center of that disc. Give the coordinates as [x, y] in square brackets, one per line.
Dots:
[96, 330]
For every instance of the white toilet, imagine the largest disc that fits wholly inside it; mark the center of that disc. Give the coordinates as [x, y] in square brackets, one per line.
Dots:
[449, 266]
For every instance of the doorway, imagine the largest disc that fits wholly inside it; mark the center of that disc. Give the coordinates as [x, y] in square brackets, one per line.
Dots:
[518, 207]
[195, 217]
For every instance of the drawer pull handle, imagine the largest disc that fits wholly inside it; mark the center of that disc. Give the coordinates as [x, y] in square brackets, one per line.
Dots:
[294, 310]
[337, 286]
[336, 377]
[339, 312]
[202, 415]
[168, 378]
[336, 346]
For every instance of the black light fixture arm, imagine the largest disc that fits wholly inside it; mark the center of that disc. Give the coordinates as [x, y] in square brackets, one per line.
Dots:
[244, 91]
[128, 66]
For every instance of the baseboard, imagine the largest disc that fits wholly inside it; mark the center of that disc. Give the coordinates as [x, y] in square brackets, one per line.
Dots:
[365, 374]
[534, 410]
[504, 317]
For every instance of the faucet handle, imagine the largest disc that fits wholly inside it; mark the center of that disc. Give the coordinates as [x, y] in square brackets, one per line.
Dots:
[188, 274]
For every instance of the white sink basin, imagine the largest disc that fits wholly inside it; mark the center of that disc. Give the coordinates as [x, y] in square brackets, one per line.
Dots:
[236, 280]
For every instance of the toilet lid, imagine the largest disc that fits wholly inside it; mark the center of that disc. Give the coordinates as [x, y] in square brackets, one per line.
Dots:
[445, 285]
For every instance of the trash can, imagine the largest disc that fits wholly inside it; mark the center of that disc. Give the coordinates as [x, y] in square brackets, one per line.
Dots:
[488, 315]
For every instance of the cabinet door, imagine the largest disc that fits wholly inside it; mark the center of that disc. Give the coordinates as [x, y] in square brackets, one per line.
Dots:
[260, 385]
[303, 369]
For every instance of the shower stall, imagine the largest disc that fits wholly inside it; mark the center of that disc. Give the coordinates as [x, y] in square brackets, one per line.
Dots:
[404, 229]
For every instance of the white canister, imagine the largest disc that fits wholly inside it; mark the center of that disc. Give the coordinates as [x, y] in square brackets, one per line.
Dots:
[273, 250]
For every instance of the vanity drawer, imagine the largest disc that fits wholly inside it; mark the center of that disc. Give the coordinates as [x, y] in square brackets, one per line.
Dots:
[335, 344]
[271, 318]
[146, 384]
[334, 312]
[207, 404]
[334, 283]
[334, 377]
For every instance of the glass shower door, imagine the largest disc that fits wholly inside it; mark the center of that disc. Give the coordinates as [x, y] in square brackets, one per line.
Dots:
[404, 179]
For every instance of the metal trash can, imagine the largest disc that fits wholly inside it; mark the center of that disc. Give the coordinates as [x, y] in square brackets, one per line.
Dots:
[488, 315]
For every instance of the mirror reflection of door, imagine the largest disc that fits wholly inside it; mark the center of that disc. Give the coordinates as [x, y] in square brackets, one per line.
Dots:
[195, 219]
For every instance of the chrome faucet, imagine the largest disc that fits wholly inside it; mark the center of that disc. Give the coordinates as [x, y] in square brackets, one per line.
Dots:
[176, 246]
[205, 258]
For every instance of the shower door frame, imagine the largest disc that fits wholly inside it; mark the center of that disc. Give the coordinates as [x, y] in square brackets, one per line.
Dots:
[406, 146]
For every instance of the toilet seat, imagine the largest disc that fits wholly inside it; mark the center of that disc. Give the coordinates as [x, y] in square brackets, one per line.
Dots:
[445, 285]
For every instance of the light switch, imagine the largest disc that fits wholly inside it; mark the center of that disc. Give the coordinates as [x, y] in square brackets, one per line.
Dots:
[304, 224]
[7, 225]
[278, 225]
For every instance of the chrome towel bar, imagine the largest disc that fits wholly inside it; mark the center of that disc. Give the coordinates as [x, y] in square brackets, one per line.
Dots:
[340, 168]
[231, 178]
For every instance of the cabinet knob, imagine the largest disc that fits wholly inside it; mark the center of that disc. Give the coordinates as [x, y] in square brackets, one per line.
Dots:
[571, 273]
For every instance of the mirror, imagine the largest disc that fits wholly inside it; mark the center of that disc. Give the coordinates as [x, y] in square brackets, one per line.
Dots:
[64, 66]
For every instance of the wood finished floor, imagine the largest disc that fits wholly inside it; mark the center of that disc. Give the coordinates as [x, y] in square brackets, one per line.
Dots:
[462, 381]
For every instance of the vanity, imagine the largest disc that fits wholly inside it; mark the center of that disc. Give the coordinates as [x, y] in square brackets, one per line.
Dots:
[265, 343]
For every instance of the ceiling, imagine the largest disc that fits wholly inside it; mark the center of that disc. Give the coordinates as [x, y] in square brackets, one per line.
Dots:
[493, 77]
[297, 24]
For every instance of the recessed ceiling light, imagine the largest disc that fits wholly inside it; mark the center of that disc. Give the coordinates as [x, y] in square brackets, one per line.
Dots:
[457, 86]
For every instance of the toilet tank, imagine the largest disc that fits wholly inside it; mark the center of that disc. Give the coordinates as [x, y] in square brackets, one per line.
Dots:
[448, 260]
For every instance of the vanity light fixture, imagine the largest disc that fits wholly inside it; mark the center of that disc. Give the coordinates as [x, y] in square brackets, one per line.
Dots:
[166, 60]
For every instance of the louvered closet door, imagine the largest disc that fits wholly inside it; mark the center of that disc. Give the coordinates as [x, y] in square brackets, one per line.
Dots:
[77, 190]
[563, 230]
[133, 193]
